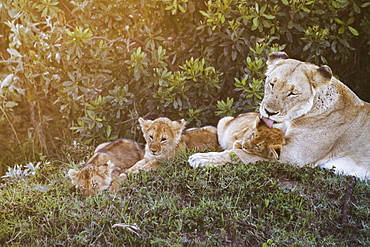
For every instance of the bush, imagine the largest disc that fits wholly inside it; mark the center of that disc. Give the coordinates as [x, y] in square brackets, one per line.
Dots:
[86, 70]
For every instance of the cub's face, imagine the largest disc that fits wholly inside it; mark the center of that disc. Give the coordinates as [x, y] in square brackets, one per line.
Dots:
[257, 145]
[264, 142]
[290, 87]
[161, 135]
[92, 179]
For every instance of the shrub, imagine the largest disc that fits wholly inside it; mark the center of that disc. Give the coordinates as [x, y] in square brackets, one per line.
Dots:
[86, 70]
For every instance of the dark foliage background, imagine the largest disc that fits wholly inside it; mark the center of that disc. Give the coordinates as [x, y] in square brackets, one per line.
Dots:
[85, 71]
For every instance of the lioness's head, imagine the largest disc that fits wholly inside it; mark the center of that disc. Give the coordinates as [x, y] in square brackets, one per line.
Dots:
[161, 135]
[290, 87]
[94, 177]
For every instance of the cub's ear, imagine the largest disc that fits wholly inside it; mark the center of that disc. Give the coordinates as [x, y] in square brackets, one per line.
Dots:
[273, 57]
[273, 153]
[178, 125]
[107, 168]
[144, 124]
[257, 121]
[322, 76]
[73, 174]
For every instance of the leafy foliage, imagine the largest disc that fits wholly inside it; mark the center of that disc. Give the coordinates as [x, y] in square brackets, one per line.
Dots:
[86, 70]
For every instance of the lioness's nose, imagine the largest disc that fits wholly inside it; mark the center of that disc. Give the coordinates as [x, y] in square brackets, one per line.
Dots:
[271, 113]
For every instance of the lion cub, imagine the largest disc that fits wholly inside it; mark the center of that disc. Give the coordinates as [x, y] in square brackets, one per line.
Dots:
[164, 138]
[106, 168]
[262, 141]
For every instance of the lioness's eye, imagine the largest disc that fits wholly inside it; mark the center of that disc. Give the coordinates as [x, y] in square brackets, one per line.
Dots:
[163, 139]
[150, 137]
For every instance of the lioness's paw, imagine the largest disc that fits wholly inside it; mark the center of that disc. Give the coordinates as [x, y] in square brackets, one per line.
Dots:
[199, 160]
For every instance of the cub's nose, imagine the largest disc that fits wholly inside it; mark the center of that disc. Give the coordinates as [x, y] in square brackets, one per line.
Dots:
[271, 113]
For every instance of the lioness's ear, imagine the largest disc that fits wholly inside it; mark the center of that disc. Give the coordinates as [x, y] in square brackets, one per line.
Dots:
[144, 124]
[273, 57]
[322, 76]
[73, 174]
[178, 125]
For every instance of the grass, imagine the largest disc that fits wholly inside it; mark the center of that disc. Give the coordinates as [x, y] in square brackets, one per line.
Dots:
[262, 204]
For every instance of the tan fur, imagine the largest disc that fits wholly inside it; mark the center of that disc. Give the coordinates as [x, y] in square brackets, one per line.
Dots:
[262, 141]
[164, 138]
[324, 123]
[106, 168]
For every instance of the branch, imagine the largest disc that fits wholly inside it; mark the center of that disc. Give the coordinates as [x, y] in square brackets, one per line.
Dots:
[132, 119]
[11, 126]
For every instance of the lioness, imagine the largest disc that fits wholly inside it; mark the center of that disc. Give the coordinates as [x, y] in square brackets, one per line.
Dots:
[261, 140]
[324, 123]
[106, 168]
[164, 138]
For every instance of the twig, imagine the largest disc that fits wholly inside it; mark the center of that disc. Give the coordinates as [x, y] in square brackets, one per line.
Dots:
[132, 228]
[347, 204]
[12, 239]
[135, 118]
[37, 126]
[11, 126]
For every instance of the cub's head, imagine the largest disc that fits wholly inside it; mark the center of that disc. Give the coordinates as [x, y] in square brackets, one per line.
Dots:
[161, 135]
[290, 87]
[93, 178]
[264, 141]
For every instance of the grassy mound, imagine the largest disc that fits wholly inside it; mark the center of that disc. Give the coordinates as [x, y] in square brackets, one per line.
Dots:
[262, 204]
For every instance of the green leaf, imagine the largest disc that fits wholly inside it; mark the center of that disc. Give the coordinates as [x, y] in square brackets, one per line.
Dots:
[255, 23]
[338, 21]
[204, 13]
[356, 8]
[270, 17]
[341, 30]
[353, 31]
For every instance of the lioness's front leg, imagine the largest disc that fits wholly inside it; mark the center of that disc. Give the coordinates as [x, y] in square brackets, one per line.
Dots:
[210, 159]
[221, 158]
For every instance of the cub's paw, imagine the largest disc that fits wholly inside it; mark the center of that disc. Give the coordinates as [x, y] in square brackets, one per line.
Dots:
[201, 159]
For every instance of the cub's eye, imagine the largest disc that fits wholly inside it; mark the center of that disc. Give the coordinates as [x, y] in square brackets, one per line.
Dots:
[150, 137]
[292, 94]
[272, 85]
[163, 139]
[94, 185]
